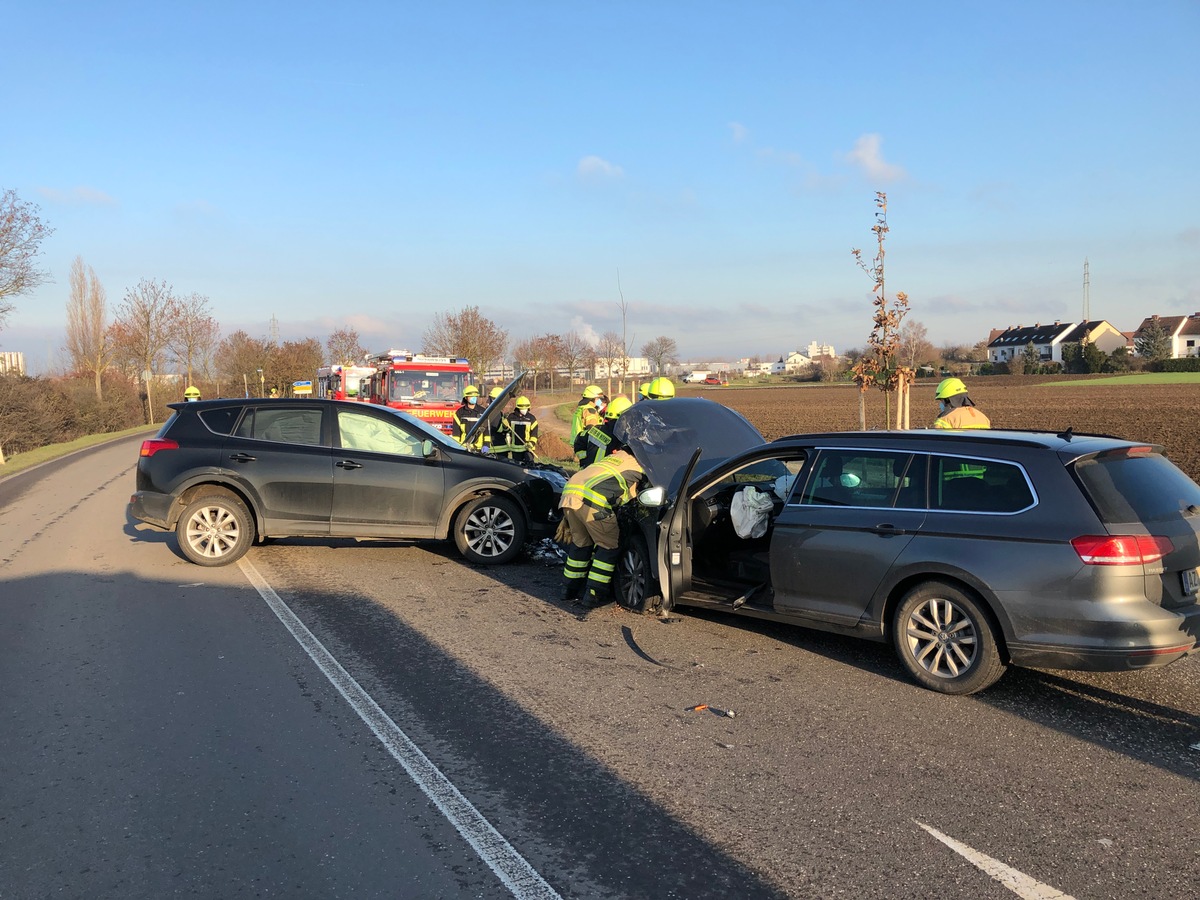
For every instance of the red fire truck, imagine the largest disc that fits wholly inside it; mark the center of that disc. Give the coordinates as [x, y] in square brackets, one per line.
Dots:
[429, 387]
[344, 382]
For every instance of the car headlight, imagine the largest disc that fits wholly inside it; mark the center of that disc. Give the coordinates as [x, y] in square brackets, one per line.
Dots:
[557, 479]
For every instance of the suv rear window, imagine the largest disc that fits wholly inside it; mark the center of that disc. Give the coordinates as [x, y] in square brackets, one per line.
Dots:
[1136, 488]
[220, 421]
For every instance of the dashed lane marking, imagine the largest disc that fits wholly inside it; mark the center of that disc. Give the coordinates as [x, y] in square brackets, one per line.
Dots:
[513, 870]
[1017, 882]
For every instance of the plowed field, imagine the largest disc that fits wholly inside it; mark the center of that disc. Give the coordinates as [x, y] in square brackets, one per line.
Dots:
[1164, 414]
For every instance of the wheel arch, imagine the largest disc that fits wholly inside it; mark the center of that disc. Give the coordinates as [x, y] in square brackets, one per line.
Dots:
[454, 506]
[967, 585]
[214, 486]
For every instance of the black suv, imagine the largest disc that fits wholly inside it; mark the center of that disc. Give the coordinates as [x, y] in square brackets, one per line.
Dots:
[966, 550]
[222, 473]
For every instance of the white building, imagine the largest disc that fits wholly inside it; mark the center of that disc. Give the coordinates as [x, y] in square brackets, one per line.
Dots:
[12, 362]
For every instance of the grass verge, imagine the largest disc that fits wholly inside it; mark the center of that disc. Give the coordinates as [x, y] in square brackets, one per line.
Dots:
[19, 461]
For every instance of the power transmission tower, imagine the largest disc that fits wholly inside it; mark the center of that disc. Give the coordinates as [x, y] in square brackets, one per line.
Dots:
[1087, 293]
[274, 331]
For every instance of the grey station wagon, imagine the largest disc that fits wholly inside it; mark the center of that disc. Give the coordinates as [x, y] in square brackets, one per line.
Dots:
[967, 550]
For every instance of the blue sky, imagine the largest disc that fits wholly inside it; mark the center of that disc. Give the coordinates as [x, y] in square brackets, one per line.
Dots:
[372, 164]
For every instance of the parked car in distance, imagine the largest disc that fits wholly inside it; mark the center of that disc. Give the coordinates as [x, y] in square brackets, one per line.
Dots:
[712, 379]
[223, 473]
[968, 551]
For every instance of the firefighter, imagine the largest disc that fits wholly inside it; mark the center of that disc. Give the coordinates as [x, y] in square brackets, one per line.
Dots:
[520, 429]
[956, 409]
[589, 504]
[661, 388]
[588, 411]
[644, 391]
[597, 441]
[192, 394]
[466, 416]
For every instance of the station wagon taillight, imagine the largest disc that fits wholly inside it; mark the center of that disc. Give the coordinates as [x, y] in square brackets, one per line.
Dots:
[1121, 549]
[149, 448]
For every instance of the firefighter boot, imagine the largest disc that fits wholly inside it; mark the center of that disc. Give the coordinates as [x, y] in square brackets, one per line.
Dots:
[600, 576]
[575, 573]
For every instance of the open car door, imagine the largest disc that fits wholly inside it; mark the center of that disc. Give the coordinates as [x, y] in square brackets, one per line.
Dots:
[675, 541]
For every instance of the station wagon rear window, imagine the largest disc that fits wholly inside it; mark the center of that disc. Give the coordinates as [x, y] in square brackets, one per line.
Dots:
[1137, 488]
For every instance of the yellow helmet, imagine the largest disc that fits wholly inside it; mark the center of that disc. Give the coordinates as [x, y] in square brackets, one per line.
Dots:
[592, 391]
[495, 392]
[619, 404]
[192, 393]
[661, 388]
[644, 389]
[471, 391]
[523, 402]
[951, 387]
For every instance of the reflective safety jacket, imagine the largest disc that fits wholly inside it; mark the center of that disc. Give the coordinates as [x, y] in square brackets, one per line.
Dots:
[518, 432]
[604, 485]
[963, 417]
[466, 416]
[594, 443]
[586, 415]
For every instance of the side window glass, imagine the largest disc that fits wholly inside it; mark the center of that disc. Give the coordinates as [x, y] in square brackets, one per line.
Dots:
[220, 421]
[361, 431]
[978, 485]
[859, 478]
[289, 425]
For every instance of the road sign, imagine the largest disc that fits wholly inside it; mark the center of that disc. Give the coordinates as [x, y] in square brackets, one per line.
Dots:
[301, 387]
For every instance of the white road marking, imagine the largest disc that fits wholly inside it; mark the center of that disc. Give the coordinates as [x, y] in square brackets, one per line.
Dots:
[1017, 882]
[513, 870]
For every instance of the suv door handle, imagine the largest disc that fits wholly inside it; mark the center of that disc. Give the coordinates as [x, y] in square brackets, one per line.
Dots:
[242, 457]
[348, 464]
[886, 529]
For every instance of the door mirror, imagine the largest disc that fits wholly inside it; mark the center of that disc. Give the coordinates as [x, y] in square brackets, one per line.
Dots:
[427, 449]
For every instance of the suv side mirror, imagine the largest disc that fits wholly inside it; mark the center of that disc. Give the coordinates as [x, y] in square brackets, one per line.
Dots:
[427, 449]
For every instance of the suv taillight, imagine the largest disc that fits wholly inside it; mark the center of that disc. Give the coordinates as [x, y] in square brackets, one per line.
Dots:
[1121, 549]
[149, 448]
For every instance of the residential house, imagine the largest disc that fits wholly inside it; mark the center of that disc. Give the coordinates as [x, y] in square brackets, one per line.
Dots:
[1047, 339]
[796, 361]
[1101, 334]
[1184, 332]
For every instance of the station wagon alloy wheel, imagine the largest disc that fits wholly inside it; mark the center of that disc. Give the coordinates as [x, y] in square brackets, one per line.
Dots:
[944, 639]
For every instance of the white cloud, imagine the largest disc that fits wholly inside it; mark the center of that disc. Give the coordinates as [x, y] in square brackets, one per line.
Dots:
[595, 167]
[739, 132]
[867, 155]
[77, 196]
[585, 331]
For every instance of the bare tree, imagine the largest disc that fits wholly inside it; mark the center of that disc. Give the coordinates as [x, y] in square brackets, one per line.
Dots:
[87, 325]
[143, 330]
[345, 348]
[610, 353]
[662, 352]
[21, 235]
[913, 346]
[293, 361]
[194, 332]
[467, 333]
[574, 352]
[239, 359]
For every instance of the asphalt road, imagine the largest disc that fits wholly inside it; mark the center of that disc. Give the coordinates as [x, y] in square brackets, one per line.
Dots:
[166, 733]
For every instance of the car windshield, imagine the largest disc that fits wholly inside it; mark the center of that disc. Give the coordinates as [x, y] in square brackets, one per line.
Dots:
[663, 435]
[1140, 487]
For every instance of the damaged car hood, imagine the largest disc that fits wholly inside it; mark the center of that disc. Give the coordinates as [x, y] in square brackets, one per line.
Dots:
[662, 435]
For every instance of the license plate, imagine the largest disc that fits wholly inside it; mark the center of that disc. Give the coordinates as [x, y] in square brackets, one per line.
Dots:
[1191, 580]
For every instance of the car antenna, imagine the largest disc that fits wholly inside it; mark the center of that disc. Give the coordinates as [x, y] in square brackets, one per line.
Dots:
[1068, 434]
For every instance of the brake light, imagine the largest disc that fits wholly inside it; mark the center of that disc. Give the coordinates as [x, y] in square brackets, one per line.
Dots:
[1121, 549]
[149, 448]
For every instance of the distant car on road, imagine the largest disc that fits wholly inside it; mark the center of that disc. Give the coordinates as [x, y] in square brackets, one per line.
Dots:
[224, 473]
[712, 379]
[966, 550]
